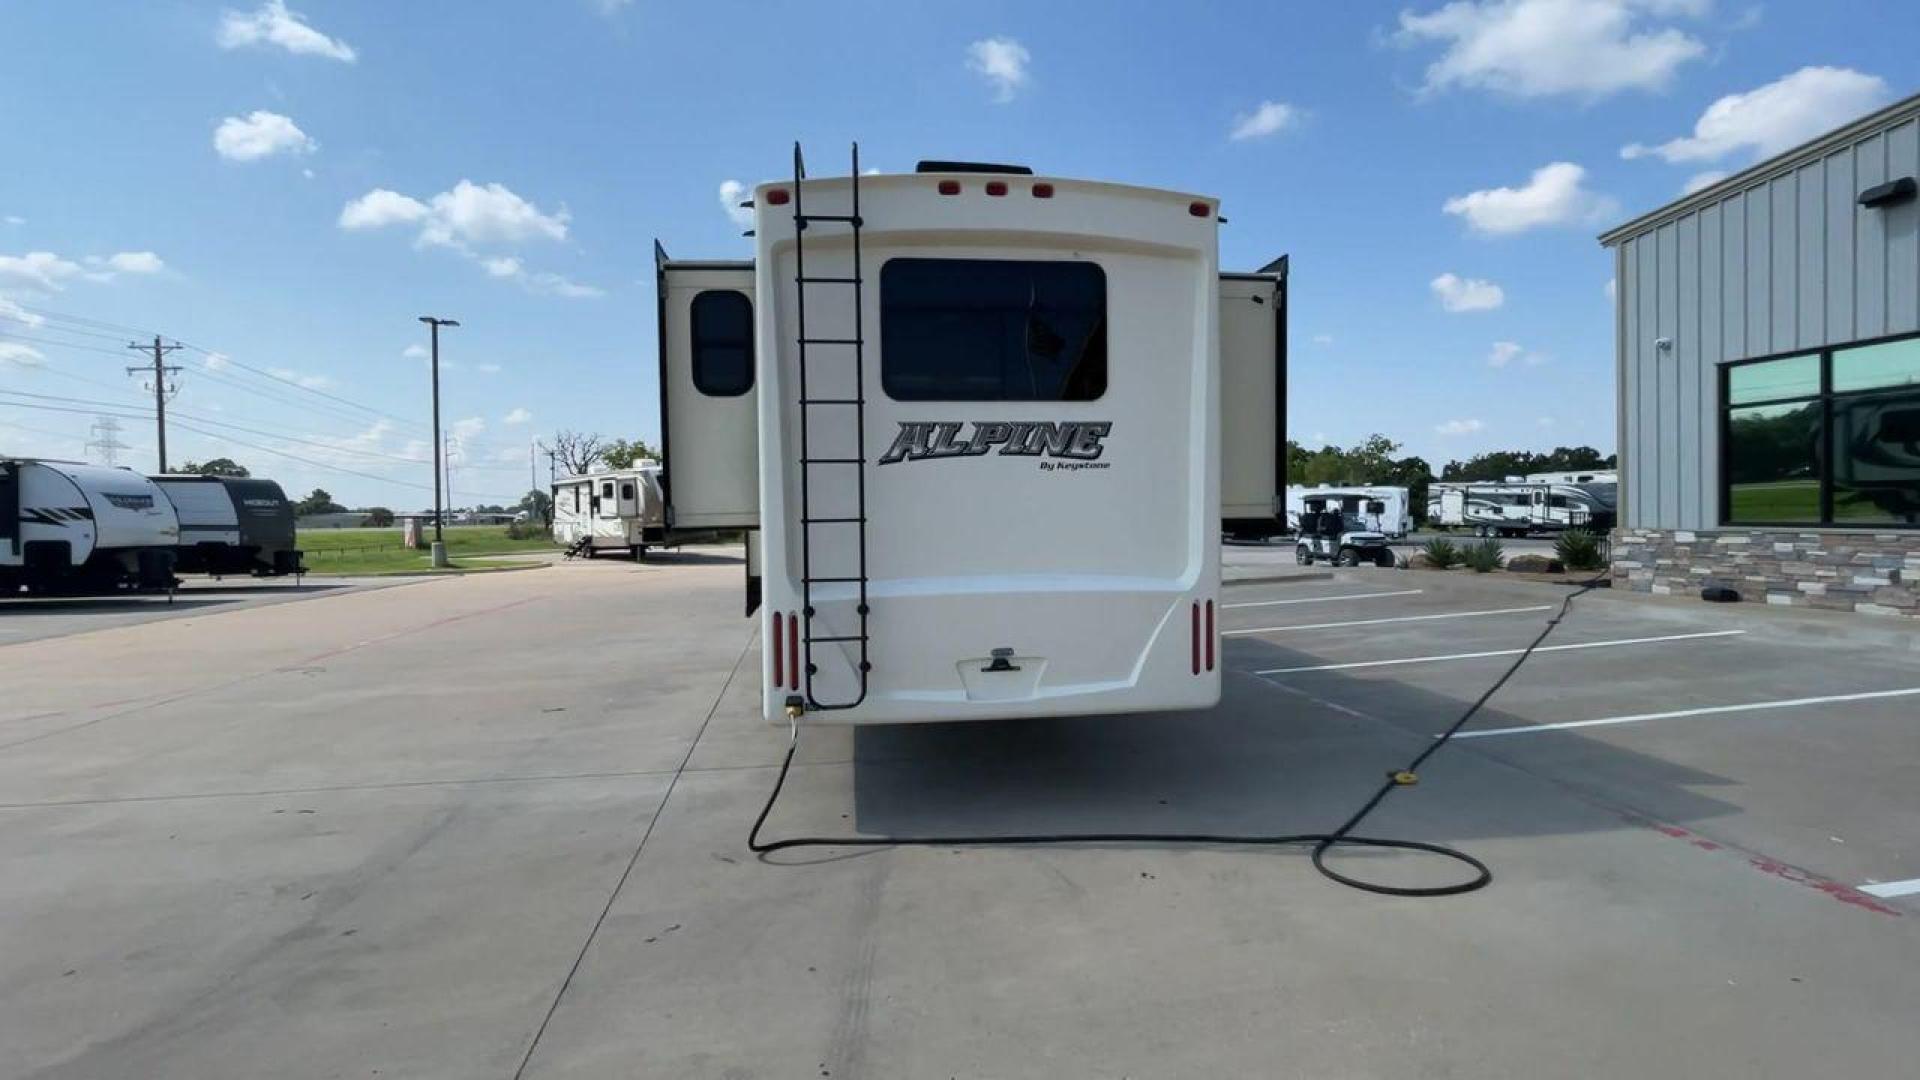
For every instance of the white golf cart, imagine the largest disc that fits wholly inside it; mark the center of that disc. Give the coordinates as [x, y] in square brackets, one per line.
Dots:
[1341, 539]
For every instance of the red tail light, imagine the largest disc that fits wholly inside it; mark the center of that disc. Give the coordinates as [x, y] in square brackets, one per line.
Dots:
[996, 188]
[1209, 635]
[793, 649]
[1199, 209]
[1043, 191]
[779, 649]
[949, 187]
[777, 196]
[1196, 637]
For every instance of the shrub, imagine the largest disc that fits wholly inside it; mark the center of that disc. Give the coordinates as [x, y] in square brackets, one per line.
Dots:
[1578, 549]
[1441, 553]
[1483, 556]
[525, 530]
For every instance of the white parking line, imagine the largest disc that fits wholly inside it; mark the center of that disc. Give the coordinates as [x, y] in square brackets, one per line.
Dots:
[1397, 618]
[1792, 703]
[1500, 652]
[1321, 599]
[1887, 890]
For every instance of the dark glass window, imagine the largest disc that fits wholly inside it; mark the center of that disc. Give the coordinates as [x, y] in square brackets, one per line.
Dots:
[993, 330]
[1876, 458]
[1830, 438]
[1773, 463]
[606, 489]
[626, 489]
[722, 329]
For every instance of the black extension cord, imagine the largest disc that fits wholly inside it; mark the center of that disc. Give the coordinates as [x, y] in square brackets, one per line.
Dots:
[1321, 842]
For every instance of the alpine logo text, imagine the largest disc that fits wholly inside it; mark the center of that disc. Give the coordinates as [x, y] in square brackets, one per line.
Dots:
[1074, 440]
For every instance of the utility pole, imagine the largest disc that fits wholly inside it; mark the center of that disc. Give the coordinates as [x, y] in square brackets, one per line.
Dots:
[106, 440]
[439, 542]
[161, 370]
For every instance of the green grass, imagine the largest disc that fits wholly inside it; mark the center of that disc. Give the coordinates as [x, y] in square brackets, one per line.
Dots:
[1786, 500]
[379, 551]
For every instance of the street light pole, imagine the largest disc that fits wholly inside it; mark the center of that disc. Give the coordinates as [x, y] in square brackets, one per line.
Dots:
[439, 542]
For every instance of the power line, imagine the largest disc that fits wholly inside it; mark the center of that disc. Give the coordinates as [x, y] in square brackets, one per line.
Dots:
[161, 370]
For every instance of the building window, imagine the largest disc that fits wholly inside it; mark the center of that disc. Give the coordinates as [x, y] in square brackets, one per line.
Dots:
[722, 329]
[993, 330]
[1824, 438]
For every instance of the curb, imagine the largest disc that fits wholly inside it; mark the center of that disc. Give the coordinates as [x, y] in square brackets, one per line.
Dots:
[1279, 579]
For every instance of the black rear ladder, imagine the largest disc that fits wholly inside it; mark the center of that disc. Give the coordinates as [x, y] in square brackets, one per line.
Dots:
[857, 404]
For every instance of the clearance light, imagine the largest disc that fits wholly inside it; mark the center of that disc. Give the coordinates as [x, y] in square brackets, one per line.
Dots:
[1209, 635]
[1043, 191]
[779, 649]
[1199, 209]
[996, 188]
[949, 187]
[793, 649]
[1196, 637]
[777, 196]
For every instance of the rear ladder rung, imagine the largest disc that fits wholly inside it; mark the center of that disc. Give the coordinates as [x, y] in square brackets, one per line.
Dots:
[832, 461]
[829, 280]
[850, 219]
[840, 637]
[828, 580]
[834, 401]
[830, 341]
[833, 521]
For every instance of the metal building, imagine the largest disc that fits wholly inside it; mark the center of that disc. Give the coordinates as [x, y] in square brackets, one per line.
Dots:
[1768, 343]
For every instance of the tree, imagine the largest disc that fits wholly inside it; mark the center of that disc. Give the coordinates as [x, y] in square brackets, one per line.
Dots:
[621, 454]
[1500, 464]
[1372, 463]
[219, 466]
[379, 517]
[317, 503]
[577, 451]
[538, 505]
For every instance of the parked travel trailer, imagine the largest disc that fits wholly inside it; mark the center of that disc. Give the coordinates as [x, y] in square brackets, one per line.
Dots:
[987, 427]
[616, 510]
[1591, 476]
[1382, 509]
[232, 525]
[66, 527]
[1517, 507]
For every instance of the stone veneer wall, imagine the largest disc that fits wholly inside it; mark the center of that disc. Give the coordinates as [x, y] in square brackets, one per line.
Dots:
[1873, 572]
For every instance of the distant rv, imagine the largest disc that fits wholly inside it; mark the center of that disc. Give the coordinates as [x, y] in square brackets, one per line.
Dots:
[1381, 509]
[232, 525]
[70, 527]
[1521, 507]
[617, 510]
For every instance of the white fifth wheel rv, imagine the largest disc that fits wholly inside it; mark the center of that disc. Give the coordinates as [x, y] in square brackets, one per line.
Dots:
[615, 510]
[65, 526]
[1517, 507]
[988, 428]
[1381, 509]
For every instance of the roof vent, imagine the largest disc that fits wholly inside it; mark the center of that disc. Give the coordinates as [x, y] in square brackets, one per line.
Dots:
[972, 167]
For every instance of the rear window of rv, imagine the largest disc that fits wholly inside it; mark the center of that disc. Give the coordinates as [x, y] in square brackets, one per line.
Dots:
[993, 330]
[722, 343]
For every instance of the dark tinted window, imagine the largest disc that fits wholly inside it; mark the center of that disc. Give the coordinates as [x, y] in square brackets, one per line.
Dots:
[626, 489]
[993, 330]
[722, 327]
[1795, 376]
[1876, 459]
[606, 489]
[1773, 463]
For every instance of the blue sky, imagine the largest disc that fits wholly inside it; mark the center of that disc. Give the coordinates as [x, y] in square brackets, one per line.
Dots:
[286, 190]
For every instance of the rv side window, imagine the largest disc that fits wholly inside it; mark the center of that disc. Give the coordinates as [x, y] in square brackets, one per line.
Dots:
[992, 330]
[722, 343]
[606, 489]
[626, 489]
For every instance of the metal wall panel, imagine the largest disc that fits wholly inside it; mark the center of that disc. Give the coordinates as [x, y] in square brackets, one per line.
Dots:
[1782, 262]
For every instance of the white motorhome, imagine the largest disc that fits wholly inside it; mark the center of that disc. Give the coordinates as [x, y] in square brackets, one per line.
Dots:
[615, 510]
[987, 426]
[1382, 509]
[66, 526]
[1517, 507]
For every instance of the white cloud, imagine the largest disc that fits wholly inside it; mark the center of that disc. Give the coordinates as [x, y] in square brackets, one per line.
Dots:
[273, 24]
[1536, 48]
[1545, 421]
[1269, 118]
[380, 208]
[517, 416]
[1552, 196]
[504, 266]
[1700, 181]
[488, 369]
[260, 134]
[1506, 352]
[1323, 339]
[731, 193]
[1459, 427]
[414, 352]
[14, 219]
[311, 382]
[551, 284]
[1003, 63]
[1466, 294]
[134, 262]
[1775, 117]
[12, 312]
[14, 354]
[467, 428]
[38, 269]
[217, 361]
